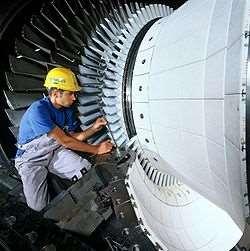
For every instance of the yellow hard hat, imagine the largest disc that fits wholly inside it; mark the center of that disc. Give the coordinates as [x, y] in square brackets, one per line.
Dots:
[63, 79]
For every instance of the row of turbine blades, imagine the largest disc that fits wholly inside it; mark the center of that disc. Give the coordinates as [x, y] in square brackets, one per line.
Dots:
[105, 57]
[55, 36]
[151, 168]
[94, 41]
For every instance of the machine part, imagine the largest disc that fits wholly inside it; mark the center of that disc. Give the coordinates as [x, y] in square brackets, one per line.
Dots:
[6, 179]
[123, 231]
[127, 81]
[192, 139]
[25, 230]
[188, 151]
[138, 61]
[75, 209]
[245, 95]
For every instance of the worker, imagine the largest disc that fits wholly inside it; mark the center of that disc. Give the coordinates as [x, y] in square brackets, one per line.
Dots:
[47, 135]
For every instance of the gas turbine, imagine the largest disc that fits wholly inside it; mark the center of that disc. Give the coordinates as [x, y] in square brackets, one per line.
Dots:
[173, 88]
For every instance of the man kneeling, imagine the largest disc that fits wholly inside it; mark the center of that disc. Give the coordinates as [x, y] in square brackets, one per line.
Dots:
[49, 131]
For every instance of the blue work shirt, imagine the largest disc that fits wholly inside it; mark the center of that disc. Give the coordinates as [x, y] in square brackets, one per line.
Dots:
[42, 117]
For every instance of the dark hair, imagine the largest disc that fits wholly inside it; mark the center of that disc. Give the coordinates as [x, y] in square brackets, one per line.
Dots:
[50, 90]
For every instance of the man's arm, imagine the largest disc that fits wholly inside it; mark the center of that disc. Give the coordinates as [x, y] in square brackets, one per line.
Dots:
[84, 135]
[74, 144]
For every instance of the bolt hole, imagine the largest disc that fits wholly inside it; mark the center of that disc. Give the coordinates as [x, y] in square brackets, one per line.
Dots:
[147, 140]
[141, 116]
[143, 61]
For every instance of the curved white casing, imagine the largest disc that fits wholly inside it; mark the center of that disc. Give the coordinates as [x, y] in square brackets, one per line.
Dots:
[188, 81]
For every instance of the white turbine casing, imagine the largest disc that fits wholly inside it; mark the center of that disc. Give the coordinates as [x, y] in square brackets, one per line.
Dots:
[177, 218]
[188, 83]
[188, 108]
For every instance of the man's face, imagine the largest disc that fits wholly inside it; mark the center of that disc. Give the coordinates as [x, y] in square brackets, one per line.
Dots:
[65, 98]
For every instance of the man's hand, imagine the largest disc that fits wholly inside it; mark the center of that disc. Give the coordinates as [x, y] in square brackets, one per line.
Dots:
[104, 147]
[86, 134]
[99, 124]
